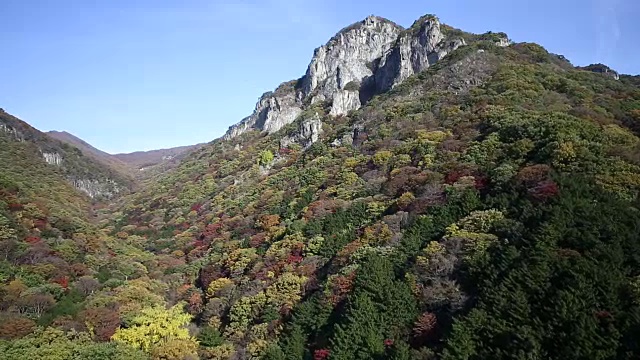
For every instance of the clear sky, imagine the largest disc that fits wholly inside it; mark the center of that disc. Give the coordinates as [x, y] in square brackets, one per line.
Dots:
[129, 75]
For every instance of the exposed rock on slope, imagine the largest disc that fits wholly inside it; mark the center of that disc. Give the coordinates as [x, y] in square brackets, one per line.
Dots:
[348, 57]
[308, 132]
[345, 101]
[415, 50]
[273, 111]
[473, 70]
[602, 69]
[95, 188]
[13, 133]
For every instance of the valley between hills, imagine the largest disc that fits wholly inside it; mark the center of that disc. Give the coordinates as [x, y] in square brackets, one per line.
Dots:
[419, 193]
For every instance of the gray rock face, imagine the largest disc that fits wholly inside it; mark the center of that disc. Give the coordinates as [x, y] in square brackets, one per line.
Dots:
[52, 158]
[348, 56]
[349, 138]
[13, 133]
[414, 52]
[310, 130]
[308, 133]
[345, 101]
[503, 42]
[272, 112]
[97, 189]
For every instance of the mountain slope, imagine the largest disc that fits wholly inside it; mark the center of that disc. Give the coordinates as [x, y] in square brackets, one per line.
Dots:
[478, 200]
[84, 173]
[50, 247]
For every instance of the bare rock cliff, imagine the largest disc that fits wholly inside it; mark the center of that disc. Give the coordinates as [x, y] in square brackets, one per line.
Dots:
[349, 57]
[273, 111]
[421, 46]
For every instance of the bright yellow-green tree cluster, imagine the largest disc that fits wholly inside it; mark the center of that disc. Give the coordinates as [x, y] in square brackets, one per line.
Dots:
[157, 327]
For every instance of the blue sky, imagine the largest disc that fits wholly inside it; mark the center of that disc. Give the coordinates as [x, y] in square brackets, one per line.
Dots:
[130, 75]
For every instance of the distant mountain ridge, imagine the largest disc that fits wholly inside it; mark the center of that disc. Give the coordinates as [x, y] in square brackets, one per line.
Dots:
[128, 164]
[96, 173]
[145, 159]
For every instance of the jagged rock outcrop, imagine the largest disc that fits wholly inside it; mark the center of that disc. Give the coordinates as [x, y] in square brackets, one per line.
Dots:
[602, 69]
[415, 50]
[273, 111]
[96, 188]
[503, 42]
[345, 101]
[52, 158]
[346, 59]
[308, 132]
[13, 133]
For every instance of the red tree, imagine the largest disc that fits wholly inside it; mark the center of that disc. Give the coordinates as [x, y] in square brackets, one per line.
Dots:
[62, 281]
[15, 207]
[103, 321]
[425, 326]
[544, 190]
[340, 287]
[32, 239]
[321, 354]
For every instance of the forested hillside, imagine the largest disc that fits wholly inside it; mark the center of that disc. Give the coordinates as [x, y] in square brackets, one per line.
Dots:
[485, 207]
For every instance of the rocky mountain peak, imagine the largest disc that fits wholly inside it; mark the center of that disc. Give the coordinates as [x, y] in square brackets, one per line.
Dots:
[348, 57]
[343, 62]
[365, 58]
[602, 69]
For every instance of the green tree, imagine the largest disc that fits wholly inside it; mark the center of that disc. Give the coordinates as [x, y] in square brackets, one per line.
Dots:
[265, 157]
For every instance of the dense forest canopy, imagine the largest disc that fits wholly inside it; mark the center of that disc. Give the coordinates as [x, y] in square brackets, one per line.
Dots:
[486, 208]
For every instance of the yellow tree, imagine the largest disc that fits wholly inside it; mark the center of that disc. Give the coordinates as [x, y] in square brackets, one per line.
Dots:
[157, 326]
[175, 349]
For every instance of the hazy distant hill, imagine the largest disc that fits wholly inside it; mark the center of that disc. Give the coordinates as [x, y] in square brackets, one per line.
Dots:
[128, 164]
[146, 159]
